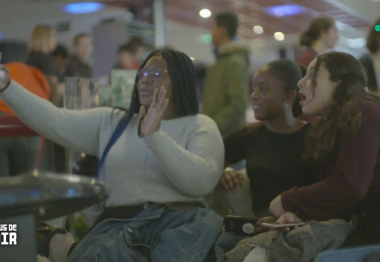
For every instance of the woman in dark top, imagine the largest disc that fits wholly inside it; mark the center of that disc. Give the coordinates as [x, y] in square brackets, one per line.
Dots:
[346, 142]
[41, 44]
[321, 35]
[272, 148]
[371, 61]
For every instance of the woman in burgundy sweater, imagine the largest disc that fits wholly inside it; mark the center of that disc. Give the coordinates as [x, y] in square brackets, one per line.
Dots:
[344, 143]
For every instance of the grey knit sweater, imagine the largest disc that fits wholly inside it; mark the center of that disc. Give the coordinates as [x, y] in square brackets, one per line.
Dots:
[182, 162]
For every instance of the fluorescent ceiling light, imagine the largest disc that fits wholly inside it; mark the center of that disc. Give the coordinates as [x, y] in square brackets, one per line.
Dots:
[82, 8]
[279, 36]
[284, 10]
[205, 13]
[258, 29]
[356, 42]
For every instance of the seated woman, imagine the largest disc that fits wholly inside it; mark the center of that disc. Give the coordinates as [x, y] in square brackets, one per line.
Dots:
[345, 143]
[159, 161]
[272, 148]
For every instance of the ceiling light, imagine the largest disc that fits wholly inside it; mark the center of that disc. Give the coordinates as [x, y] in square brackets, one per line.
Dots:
[258, 29]
[82, 8]
[284, 10]
[356, 42]
[205, 13]
[279, 36]
[192, 58]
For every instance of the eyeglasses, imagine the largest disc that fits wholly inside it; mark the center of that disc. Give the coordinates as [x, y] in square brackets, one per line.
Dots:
[156, 74]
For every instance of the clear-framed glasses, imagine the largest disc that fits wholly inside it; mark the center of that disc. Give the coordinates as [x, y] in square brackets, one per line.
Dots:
[156, 74]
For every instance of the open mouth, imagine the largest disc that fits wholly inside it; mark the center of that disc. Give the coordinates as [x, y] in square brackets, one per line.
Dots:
[303, 98]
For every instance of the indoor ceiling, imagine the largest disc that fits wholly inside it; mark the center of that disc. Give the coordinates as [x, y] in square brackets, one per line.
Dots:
[253, 12]
[351, 14]
[18, 17]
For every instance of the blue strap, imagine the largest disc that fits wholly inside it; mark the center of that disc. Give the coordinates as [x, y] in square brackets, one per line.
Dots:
[115, 136]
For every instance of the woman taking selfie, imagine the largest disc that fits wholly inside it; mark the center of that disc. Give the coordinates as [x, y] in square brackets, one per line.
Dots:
[344, 145]
[158, 161]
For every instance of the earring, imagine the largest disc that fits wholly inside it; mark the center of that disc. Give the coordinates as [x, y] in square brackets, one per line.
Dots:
[290, 120]
[324, 103]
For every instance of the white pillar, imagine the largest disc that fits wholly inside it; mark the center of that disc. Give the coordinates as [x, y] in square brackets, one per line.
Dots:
[159, 23]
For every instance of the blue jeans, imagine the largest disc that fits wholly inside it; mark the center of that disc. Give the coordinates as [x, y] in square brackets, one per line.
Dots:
[225, 243]
[157, 234]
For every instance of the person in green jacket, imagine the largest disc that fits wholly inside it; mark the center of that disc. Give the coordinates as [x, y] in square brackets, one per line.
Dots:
[226, 94]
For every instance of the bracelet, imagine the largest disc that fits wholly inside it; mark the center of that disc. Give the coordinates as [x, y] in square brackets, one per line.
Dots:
[6, 86]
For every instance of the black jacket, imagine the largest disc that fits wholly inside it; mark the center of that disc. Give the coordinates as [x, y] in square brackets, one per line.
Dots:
[371, 73]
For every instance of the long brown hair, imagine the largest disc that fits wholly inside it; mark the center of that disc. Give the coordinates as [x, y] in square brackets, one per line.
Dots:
[344, 116]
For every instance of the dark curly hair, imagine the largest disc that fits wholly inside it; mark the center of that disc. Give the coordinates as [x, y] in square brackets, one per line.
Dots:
[344, 116]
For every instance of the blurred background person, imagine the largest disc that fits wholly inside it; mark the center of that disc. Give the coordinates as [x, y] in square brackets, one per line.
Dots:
[131, 54]
[60, 55]
[78, 64]
[225, 97]
[321, 36]
[42, 43]
[371, 61]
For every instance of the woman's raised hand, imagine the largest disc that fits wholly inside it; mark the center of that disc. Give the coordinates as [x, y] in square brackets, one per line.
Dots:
[151, 121]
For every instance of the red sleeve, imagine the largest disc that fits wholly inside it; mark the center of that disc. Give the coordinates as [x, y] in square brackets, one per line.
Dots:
[349, 181]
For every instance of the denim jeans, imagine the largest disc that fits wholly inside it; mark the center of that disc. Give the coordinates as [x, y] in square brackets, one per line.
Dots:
[226, 242]
[157, 234]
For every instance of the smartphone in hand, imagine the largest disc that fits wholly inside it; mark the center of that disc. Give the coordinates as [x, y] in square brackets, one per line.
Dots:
[244, 226]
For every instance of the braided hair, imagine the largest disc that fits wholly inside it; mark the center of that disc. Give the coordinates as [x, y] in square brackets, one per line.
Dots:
[184, 82]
